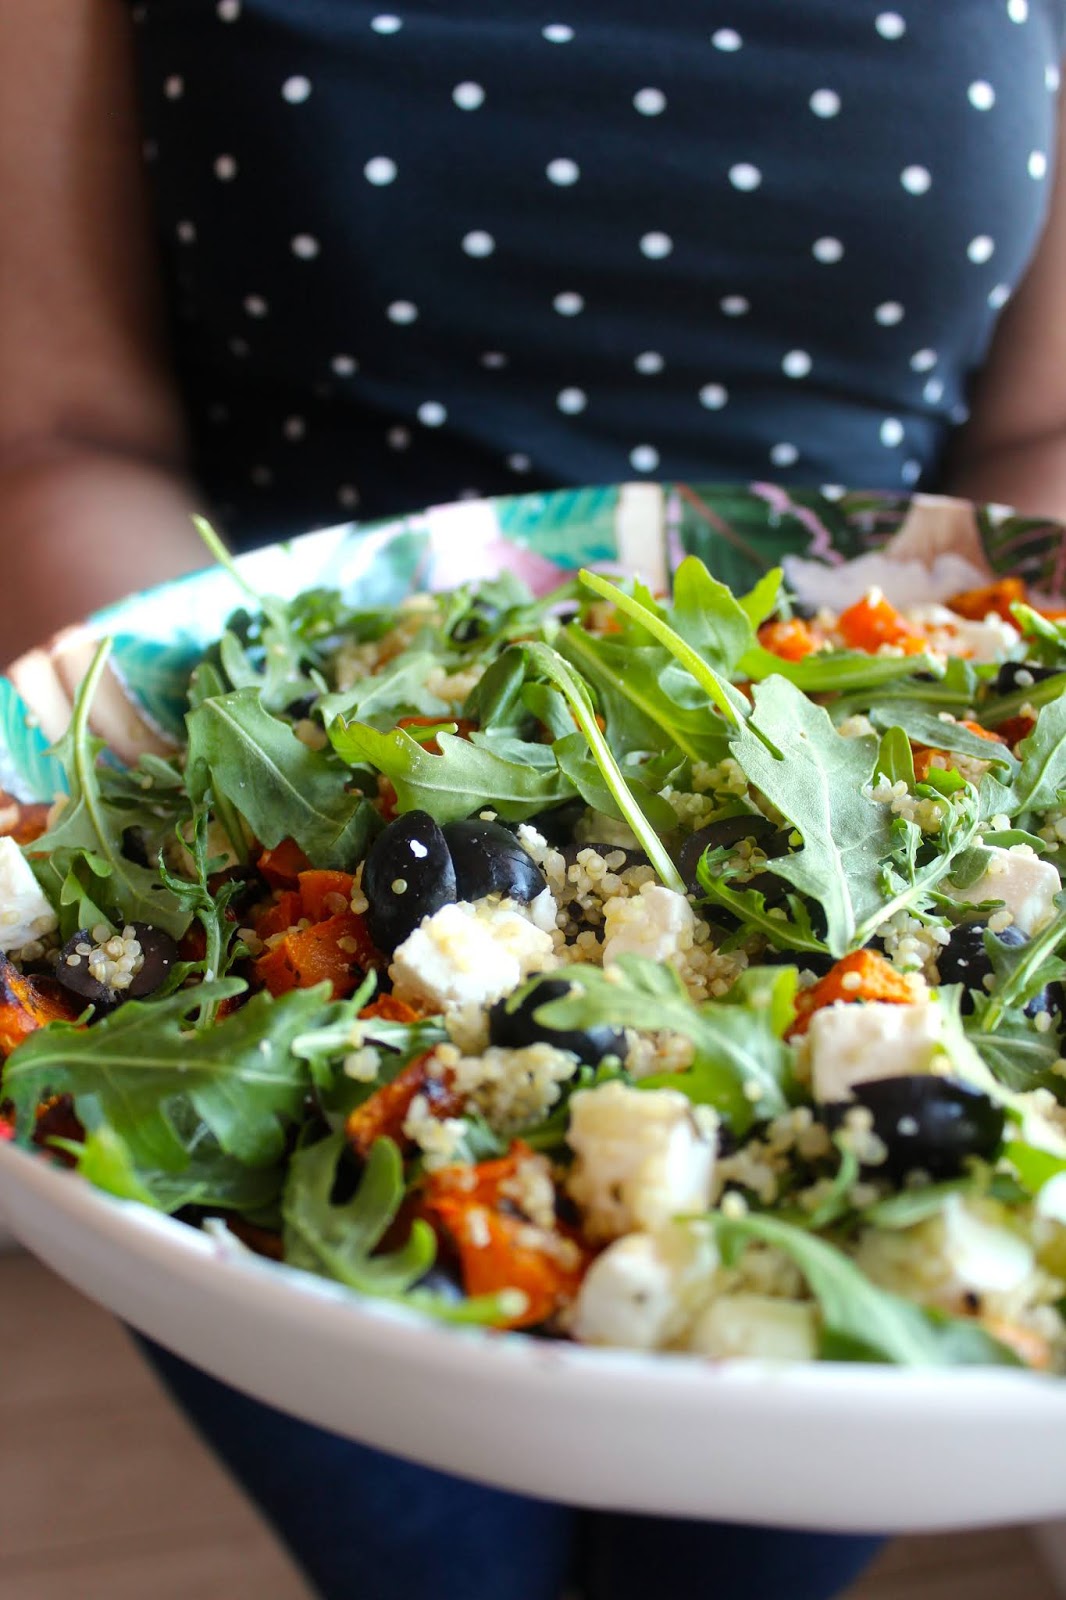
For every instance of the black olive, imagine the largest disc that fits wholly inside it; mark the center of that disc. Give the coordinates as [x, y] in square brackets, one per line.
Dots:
[481, 619]
[926, 1123]
[158, 951]
[965, 960]
[817, 961]
[720, 835]
[488, 859]
[557, 826]
[299, 710]
[1007, 676]
[517, 1028]
[407, 875]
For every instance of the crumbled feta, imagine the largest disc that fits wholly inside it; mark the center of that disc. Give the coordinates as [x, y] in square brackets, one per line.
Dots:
[761, 1327]
[543, 911]
[25, 914]
[854, 1043]
[469, 955]
[990, 640]
[642, 1157]
[644, 1290]
[657, 923]
[1025, 883]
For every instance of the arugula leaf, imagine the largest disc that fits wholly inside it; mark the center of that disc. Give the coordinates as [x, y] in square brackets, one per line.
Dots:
[1043, 769]
[575, 760]
[708, 617]
[398, 689]
[80, 858]
[787, 927]
[792, 753]
[211, 1180]
[663, 699]
[143, 1069]
[1035, 1167]
[861, 1322]
[912, 1206]
[222, 946]
[1022, 970]
[836, 672]
[342, 1241]
[895, 759]
[283, 789]
[736, 1049]
[463, 779]
[925, 727]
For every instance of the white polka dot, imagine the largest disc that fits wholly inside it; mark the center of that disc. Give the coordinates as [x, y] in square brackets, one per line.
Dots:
[344, 366]
[981, 249]
[402, 312]
[644, 458]
[890, 25]
[1037, 164]
[296, 89]
[228, 10]
[891, 432]
[398, 438]
[888, 313]
[431, 414]
[797, 364]
[174, 86]
[713, 396]
[825, 103]
[933, 392]
[656, 245]
[305, 245]
[1052, 77]
[225, 168]
[923, 360]
[981, 95]
[255, 305]
[744, 176]
[468, 96]
[959, 414]
[727, 39]
[558, 33]
[916, 180]
[262, 477]
[386, 23]
[348, 495]
[563, 171]
[186, 232]
[239, 347]
[494, 360]
[649, 362]
[649, 102]
[380, 170]
[827, 250]
[1018, 10]
[735, 305]
[569, 304]
[571, 401]
[998, 297]
[784, 455]
[294, 428]
[519, 462]
[479, 243]
[832, 491]
[910, 472]
[469, 494]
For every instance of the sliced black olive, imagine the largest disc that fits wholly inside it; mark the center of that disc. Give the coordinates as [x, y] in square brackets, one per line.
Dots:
[926, 1123]
[722, 834]
[817, 961]
[515, 1029]
[73, 972]
[408, 874]
[1007, 676]
[557, 826]
[488, 859]
[965, 960]
[158, 952]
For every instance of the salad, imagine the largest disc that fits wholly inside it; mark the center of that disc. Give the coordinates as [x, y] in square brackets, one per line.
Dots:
[674, 974]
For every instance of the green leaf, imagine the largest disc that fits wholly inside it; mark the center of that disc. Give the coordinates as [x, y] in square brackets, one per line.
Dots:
[211, 1180]
[575, 760]
[143, 1070]
[463, 779]
[842, 672]
[282, 789]
[787, 927]
[895, 759]
[706, 615]
[1043, 769]
[87, 835]
[663, 700]
[762, 601]
[1035, 1167]
[861, 1322]
[398, 689]
[1022, 970]
[927, 728]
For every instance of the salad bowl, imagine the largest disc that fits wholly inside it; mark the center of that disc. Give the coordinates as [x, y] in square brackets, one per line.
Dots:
[831, 1444]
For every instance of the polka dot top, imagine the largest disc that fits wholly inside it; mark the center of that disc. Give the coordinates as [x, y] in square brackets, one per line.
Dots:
[477, 247]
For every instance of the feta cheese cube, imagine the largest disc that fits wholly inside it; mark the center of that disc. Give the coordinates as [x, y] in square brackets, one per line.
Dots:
[965, 1249]
[989, 640]
[642, 1158]
[644, 1290]
[25, 914]
[760, 1326]
[657, 924]
[1024, 881]
[854, 1043]
[465, 955]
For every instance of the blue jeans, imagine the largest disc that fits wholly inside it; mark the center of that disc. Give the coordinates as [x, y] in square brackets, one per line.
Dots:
[366, 1526]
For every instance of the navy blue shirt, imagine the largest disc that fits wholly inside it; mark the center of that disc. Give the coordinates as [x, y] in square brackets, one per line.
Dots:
[472, 247]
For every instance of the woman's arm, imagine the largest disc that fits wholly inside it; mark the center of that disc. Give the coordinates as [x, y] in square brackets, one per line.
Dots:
[93, 501]
[1013, 449]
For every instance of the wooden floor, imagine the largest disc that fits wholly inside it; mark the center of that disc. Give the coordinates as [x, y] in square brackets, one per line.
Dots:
[105, 1494]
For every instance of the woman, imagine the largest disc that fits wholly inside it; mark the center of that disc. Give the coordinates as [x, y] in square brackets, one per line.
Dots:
[294, 258]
